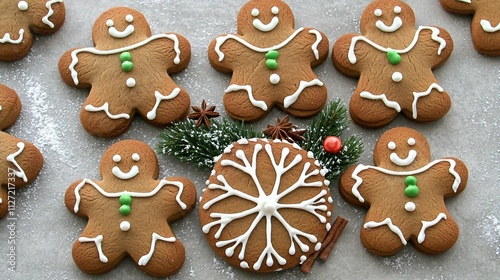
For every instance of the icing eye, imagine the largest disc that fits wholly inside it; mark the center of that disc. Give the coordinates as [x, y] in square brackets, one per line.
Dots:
[397, 9]
[136, 157]
[22, 5]
[411, 141]
[110, 23]
[391, 145]
[255, 12]
[275, 10]
[378, 13]
[129, 18]
[117, 158]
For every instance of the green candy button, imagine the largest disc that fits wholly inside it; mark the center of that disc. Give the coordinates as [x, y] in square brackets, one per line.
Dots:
[125, 56]
[411, 191]
[410, 180]
[125, 199]
[272, 55]
[271, 64]
[124, 210]
[127, 66]
[394, 57]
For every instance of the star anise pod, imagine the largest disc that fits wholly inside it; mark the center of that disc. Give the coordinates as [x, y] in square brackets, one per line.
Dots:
[285, 130]
[203, 115]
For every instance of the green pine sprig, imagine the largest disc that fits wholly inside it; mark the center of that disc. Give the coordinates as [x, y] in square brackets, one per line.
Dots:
[199, 145]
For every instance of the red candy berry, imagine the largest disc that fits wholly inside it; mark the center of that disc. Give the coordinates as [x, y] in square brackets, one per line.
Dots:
[332, 144]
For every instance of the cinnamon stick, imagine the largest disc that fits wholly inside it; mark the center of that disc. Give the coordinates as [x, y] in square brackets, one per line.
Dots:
[339, 226]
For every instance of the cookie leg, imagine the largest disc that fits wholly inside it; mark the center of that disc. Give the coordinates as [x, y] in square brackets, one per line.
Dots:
[99, 121]
[372, 110]
[95, 255]
[438, 235]
[241, 104]
[382, 238]
[429, 105]
[165, 106]
[307, 100]
[164, 256]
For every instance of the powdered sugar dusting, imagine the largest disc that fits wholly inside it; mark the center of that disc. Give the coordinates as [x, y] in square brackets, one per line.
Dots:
[490, 232]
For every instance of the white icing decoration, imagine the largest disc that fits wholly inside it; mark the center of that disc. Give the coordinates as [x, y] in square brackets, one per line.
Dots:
[410, 206]
[314, 47]
[465, 1]
[48, 5]
[383, 97]
[378, 12]
[98, 243]
[428, 224]
[328, 226]
[361, 167]
[274, 79]
[411, 141]
[289, 100]
[248, 88]
[417, 95]
[266, 205]
[255, 12]
[302, 259]
[22, 5]
[396, 24]
[317, 247]
[12, 159]
[221, 40]
[105, 108]
[129, 18]
[130, 82]
[160, 185]
[120, 34]
[136, 157]
[391, 226]
[243, 141]
[124, 226]
[257, 23]
[117, 158]
[159, 98]
[487, 27]
[434, 36]
[397, 77]
[391, 145]
[397, 9]
[412, 154]
[6, 38]
[275, 10]
[244, 265]
[143, 261]
[74, 61]
[134, 171]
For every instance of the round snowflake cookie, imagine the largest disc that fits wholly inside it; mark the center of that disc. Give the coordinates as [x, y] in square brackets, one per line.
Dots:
[267, 205]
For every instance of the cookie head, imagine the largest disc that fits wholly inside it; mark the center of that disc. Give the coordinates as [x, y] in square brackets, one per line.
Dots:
[402, 149]
[120, 27]
[262, 17]
[387, 17]
[129, 162]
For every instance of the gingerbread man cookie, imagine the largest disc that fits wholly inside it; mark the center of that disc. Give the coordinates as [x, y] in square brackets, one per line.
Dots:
[404, 193]
[20, 161]
[394, 63]
[485, 26]
[127, 71]
[271, 63]
[20, 19]
[129, 212]
[267, 206]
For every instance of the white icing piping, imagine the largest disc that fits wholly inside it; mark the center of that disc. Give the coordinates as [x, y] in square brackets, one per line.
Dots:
[74, 61]
[12, 159]
[412, 154]
[257, 23]
[121, 34]
[314, 47]
[134, 171]
[105, 108]
[487, 27]
[391, 226]
[98, 243]
[221, 40]
[248, 88]
[396, 24]
[289, 100]
[48, 5]
[434, 36]
[362, 167]
[6, 38]
[417, 95]
[132, 194]
[143, 261]
[389, 103]
[159, 98]
[428, 224]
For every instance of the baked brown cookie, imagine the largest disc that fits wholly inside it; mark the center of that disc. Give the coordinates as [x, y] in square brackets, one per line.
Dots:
[129, 212]
[404, 193]
[20, 161]
[128, 72]
[394, 63]
[21, 19]
[271, 63]
[485, 26]
[267, 205]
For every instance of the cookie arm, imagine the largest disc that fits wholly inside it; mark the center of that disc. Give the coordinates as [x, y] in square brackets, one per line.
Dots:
[340, 55]
[319, 45]
[183, 194]
[179, 52]
[458, 7]
[48, 17]
[222, 51]
[462, 171]
[77, 67]
[77, 197]
[446, 51]
[346, 184]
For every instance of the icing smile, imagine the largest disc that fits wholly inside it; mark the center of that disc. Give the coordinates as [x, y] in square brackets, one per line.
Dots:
[120, 34]
[134, 171]
[257, 23]
[7, 39]
[396, 22]
[406, 161]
